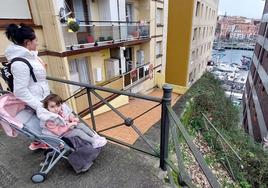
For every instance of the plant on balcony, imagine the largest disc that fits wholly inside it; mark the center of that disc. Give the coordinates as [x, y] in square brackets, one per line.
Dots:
[101, 39]
[109, 38]
[73, 25]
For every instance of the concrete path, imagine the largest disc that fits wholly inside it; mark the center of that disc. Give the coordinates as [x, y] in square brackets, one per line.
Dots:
[115, 167]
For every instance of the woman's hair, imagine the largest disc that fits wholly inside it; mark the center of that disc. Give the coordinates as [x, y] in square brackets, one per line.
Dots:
[19, 33]
[52, 98]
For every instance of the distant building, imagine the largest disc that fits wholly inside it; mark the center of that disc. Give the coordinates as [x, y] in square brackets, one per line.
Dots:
[190, 35]
[255, 99]
[237, 28]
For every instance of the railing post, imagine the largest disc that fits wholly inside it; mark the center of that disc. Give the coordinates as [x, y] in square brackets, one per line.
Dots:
[91, 109]
[166, 101]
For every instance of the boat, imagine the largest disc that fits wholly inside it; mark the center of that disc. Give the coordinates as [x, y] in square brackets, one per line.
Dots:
[225, 68]
[221, 49]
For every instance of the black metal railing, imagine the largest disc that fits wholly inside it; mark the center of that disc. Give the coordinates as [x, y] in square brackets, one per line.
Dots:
[230, 160]
[127, 121]
[170, 124]
[183, 177]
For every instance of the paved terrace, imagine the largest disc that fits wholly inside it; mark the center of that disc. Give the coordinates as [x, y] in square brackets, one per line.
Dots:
[116, 166]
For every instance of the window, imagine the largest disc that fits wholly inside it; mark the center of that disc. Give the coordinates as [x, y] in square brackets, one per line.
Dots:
[202, 8]
[191, 79]
[206, 13]
[159, 17]
[159, 49]
[128, 57]
[140, 57]
[17, 10]
[193, 55]
[79, 72]
[197, 11]
[129, 12]
[195, 34]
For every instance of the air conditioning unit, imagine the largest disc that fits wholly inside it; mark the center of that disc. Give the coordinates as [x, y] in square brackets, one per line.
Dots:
[112, 68]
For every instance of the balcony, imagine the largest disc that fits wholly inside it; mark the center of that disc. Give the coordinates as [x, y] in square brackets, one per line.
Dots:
[137, 75]
[104, 33]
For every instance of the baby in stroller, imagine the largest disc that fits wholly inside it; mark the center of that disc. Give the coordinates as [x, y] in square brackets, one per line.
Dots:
[62, 122]
[16, 117]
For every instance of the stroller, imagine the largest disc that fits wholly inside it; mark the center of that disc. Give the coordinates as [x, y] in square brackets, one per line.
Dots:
[16, 117]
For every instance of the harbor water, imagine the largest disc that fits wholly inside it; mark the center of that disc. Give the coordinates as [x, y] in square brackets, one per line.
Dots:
[231, 56]
[233, 77]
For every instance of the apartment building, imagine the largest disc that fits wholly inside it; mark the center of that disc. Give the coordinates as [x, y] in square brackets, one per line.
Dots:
[190, 32]
[255, 98]
[237, 28]
[118, 45]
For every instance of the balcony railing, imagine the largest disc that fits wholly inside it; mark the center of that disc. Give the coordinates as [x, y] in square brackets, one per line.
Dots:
[137, 75]
[98, 33]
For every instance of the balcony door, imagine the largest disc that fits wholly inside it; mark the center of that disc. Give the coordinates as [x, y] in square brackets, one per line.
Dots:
[80, 9]
[128, 59]
[131, 28]
[129, 12]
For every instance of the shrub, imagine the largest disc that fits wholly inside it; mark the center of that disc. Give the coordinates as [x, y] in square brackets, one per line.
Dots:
[207, 96]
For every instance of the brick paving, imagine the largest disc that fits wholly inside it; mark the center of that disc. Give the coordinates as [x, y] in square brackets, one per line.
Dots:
[134, 108]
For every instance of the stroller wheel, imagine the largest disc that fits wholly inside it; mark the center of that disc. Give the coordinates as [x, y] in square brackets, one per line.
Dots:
[39, 177]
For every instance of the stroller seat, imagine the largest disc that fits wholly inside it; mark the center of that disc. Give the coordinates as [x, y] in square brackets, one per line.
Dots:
[25, 122]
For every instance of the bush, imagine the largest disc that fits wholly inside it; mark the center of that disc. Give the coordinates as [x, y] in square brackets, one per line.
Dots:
[207, 96]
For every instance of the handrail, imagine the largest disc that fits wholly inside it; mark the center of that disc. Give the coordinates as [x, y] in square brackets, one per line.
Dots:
[216, 130]
[167, 112]
[199, 158]
[113, 21]
[94, 87]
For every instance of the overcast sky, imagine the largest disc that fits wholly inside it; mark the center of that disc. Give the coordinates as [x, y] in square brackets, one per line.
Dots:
[247, 8]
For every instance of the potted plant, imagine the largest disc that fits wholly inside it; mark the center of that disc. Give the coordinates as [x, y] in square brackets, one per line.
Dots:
[73, 25]
[101, 39]
[110, 40]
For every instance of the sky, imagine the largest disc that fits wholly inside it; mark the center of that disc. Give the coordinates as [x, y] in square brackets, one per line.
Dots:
[247, 8]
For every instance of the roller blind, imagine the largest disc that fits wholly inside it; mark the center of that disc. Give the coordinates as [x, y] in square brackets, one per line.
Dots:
[14, 9]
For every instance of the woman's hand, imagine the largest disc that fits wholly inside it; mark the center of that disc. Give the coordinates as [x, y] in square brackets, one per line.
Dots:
[71, 125]
[72, 118]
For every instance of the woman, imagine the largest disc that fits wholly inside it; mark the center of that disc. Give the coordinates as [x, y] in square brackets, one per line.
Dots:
[24, 87]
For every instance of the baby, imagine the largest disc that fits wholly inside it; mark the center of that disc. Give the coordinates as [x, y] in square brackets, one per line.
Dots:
[62, 122]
